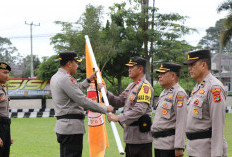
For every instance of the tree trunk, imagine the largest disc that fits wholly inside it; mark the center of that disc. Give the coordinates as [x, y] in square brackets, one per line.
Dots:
[144, 10]
[119, 90]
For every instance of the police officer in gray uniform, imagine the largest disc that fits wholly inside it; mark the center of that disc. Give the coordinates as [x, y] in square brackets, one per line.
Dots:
[5, 137]
[70, 102]
[206, 109]
[137, 100]
[168, 128]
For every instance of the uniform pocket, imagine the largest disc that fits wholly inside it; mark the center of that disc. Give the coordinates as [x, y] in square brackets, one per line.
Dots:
[197, 108]
[166, 110]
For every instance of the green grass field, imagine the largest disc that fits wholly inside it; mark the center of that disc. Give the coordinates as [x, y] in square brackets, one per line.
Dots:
[34, 137]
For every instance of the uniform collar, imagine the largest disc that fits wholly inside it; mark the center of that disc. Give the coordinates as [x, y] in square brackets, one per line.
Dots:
[202, 84]
[63, 71]
[171, 89]
[141, 79]
[205, 80]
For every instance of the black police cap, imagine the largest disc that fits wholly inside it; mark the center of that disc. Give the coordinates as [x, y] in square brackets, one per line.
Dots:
[136, 61]
[165, 67]
[194, 56]
[5, 66]
[68, 56]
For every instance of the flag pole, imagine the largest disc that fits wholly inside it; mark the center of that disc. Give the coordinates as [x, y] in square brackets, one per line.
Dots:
[113, 126]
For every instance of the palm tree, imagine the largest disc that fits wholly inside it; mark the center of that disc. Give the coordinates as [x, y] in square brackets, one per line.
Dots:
[226, 33]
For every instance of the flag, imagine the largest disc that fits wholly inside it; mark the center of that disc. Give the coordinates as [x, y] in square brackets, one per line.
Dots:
[97, 135]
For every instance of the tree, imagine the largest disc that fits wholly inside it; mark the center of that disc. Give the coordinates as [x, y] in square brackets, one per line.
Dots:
[26, 62]
[47, 68]
[212, 38]
[226, 33]
[7, 51]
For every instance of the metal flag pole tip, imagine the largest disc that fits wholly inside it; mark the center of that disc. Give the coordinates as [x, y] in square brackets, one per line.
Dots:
[113, 126]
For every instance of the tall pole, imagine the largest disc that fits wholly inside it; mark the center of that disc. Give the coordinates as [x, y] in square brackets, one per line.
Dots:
[113, 126]
[32, 67]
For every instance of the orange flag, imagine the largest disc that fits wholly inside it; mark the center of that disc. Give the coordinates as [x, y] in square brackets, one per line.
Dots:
[97, 135]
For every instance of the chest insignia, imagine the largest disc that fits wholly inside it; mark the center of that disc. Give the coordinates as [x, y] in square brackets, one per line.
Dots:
[196, 102]
[165, 105]
[202, 91]
[164, 112]
[3, 99]
[170, 96]
[195, 111]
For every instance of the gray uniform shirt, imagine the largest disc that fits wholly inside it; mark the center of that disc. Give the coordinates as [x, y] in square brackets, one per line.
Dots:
[206, 109]
[171, 113]
[134, 107]
[4, 103]
[68, 98]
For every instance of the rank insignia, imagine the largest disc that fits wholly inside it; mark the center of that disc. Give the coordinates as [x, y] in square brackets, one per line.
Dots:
[192, 91]
[196, 102]
[165, 105]
[164, 112]
[73, 81]
[216, 94]
[202, 91]
[170, 96]
[195, 111]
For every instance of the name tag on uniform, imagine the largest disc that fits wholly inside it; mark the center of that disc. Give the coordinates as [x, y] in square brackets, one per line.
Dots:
[144, 94]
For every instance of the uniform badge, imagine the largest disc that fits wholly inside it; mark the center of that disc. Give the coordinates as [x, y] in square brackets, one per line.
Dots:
[145, 94]
[202, 91]
[3, 99]
[146, 89]
[216, 94]
[73, 81]
[3, 66]
[131, 97]
[195, 111]
[180, 100]
[196, 102]
[164, 112]
[170, 96]
[165, 105]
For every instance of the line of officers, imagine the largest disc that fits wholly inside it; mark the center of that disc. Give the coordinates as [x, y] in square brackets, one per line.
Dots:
[200, 117]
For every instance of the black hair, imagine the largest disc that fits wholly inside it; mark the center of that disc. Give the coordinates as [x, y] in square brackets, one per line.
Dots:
[208, 62]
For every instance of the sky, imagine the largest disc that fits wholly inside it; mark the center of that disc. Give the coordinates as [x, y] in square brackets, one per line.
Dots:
[14, 13]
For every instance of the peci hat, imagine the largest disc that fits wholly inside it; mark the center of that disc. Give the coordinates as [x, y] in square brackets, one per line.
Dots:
[68, 56]
[166, 67]
[194, 56]
[5, 66]
[136, 61]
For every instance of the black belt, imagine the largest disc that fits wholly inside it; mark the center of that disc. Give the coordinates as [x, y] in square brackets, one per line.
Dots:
[136, 123]
[71, 116]
[165, 133]
[199, 135]
[5, 120]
